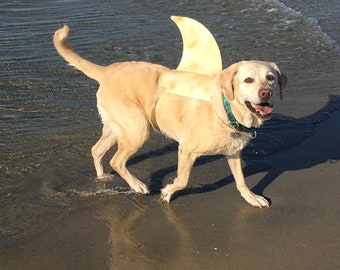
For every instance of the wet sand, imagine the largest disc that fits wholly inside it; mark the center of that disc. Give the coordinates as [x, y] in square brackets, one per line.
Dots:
[203, 228]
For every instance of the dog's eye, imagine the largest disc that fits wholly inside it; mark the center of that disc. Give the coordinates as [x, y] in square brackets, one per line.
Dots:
[270, 78]
[249, 80]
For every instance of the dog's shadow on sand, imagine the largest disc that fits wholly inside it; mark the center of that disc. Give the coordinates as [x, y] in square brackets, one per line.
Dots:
[281, 132]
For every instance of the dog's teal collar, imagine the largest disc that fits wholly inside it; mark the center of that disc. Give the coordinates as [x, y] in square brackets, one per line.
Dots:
[234, 123]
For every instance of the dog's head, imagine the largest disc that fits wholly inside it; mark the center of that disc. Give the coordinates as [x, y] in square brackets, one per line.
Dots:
[250, 86]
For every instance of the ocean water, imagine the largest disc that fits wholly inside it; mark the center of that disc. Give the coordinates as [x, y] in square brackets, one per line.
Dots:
[48, 115]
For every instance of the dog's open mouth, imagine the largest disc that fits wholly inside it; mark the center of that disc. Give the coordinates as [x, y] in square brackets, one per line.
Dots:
[263, 110]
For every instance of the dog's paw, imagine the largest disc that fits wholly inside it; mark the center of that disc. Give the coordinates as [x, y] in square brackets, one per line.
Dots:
[165, 196]
[140, 188]
[104, 177]
[256, 200]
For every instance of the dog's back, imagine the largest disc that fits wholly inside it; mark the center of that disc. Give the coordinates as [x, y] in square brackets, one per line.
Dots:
[133, 83]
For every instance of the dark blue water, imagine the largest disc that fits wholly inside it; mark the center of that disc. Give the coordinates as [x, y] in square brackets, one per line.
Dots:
[48, 116]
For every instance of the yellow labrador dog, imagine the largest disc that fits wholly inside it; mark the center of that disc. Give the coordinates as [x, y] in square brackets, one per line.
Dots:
[133, 96]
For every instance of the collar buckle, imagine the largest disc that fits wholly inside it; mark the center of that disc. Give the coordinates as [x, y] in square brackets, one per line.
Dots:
[253, 135]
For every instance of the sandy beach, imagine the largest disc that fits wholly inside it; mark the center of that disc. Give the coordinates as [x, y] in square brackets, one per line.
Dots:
[203, 228]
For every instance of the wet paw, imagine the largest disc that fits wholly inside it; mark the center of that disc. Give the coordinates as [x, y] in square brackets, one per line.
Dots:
[104, 177]
[165, 196]
[140, 188]
[256, 200]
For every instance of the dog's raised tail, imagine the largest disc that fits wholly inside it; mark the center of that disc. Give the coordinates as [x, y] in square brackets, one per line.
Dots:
[60, 43]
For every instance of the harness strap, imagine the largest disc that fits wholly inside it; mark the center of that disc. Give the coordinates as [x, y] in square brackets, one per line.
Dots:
[153, 118]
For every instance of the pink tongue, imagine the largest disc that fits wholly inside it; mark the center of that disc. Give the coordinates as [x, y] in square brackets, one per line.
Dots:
[263, 109]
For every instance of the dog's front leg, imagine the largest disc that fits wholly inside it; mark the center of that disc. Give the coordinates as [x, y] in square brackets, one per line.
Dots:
[236, 169]
[185, 162]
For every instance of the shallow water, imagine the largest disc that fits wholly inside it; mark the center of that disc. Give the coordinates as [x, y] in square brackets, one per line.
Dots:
[48, 116]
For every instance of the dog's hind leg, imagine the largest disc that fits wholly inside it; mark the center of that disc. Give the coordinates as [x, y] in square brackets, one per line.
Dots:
[106, 141]
[185, 162]
[129, 142]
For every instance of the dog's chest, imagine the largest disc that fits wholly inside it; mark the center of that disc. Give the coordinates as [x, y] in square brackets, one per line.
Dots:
[235, 141]
[228, 142]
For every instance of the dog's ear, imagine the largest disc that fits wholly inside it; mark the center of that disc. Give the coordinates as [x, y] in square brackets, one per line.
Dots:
[226, 80]
[282, 81]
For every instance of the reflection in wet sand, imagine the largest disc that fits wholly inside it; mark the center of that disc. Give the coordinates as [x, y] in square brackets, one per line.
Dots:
[131, 226]
[185, 247]
[126, 252]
